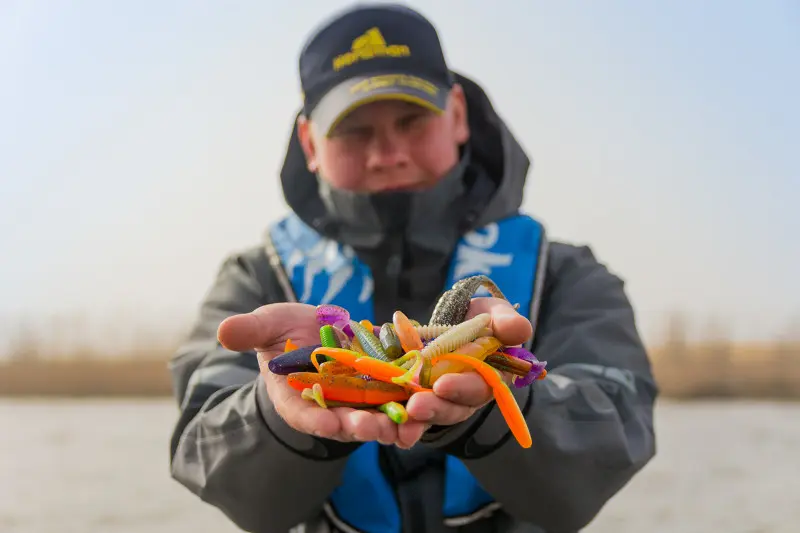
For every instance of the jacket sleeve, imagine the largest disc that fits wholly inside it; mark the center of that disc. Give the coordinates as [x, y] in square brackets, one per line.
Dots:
[229, 446]
[591, 418]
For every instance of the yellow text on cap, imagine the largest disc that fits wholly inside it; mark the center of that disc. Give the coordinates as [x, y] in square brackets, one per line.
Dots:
[368, 46]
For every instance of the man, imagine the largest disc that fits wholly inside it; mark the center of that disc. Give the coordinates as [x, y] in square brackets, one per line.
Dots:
[402, 179]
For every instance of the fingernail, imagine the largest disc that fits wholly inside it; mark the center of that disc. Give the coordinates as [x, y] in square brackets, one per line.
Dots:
[507, 313]
[440, 389]
[453, 395]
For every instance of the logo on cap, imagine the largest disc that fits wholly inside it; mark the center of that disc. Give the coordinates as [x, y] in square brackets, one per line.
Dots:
[368, 46]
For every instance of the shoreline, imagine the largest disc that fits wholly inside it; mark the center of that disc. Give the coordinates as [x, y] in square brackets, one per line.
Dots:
[702, 372]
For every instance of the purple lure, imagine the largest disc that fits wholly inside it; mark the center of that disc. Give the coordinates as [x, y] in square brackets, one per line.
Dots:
[537, 367]
[336, 316]
[346, 329]
[298, 360]
[329, 314]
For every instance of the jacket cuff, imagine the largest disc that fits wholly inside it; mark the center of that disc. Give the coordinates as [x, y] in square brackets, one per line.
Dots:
[479, 435]
[303, 444]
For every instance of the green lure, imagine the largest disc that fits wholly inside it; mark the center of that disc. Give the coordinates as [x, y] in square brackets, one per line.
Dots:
[369, 342]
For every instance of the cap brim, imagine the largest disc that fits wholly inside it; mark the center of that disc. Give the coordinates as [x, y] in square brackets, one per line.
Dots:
[355, 92]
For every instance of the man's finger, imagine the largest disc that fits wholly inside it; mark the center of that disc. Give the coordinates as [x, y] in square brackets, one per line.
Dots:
[510, 327]
[313, 419]
[360, 425]
[260, 329]
[409, 433]
[467, 388]
[302, 415]
[429, 408]
[388, 430]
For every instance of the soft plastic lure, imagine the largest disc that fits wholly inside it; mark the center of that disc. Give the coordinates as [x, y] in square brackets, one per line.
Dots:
[390, 341]
[293, 360]
[352, 389]
[367, 366]
[328, 337]
[453, 305]
[406, 332]
[502, 395]
[368, 341]
[479, 349]
[450, 340]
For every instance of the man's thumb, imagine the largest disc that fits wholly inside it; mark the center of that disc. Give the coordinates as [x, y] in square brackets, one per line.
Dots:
[508, 325]
[263, 328]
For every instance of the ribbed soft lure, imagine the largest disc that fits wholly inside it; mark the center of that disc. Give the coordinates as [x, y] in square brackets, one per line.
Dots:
[449, 341]
[368, 341]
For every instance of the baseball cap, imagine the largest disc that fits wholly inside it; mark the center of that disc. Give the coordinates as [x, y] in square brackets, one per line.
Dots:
[372, 52]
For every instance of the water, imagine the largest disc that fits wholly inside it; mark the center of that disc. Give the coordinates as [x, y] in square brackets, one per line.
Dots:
[101, 466]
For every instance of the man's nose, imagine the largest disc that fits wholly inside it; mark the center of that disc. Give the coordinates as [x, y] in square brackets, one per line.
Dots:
[387, 150]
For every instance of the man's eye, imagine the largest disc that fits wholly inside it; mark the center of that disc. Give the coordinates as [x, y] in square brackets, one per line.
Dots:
[410, 120]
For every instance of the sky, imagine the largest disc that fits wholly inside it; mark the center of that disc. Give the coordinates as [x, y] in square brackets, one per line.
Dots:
[140, 143]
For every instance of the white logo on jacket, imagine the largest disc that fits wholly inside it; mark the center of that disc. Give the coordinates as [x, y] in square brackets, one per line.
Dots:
[474, 255]
[337, 262]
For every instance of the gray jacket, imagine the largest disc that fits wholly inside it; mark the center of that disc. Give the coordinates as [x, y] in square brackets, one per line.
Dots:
[591, 418]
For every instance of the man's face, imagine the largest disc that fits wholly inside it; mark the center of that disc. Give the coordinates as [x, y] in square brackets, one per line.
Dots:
[388, 145]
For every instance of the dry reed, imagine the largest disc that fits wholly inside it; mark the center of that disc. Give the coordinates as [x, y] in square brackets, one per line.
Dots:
[710, 369]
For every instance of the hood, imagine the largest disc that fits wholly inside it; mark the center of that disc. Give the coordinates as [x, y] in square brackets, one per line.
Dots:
[495, 176]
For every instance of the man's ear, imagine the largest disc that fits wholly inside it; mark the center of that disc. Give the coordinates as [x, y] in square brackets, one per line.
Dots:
[458, 112]
[304, 135]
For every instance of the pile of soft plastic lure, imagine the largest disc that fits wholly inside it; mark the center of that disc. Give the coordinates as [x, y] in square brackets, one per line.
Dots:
[361, 365]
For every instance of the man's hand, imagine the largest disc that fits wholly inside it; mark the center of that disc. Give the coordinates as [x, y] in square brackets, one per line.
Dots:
[456, 397]
[266, 330]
